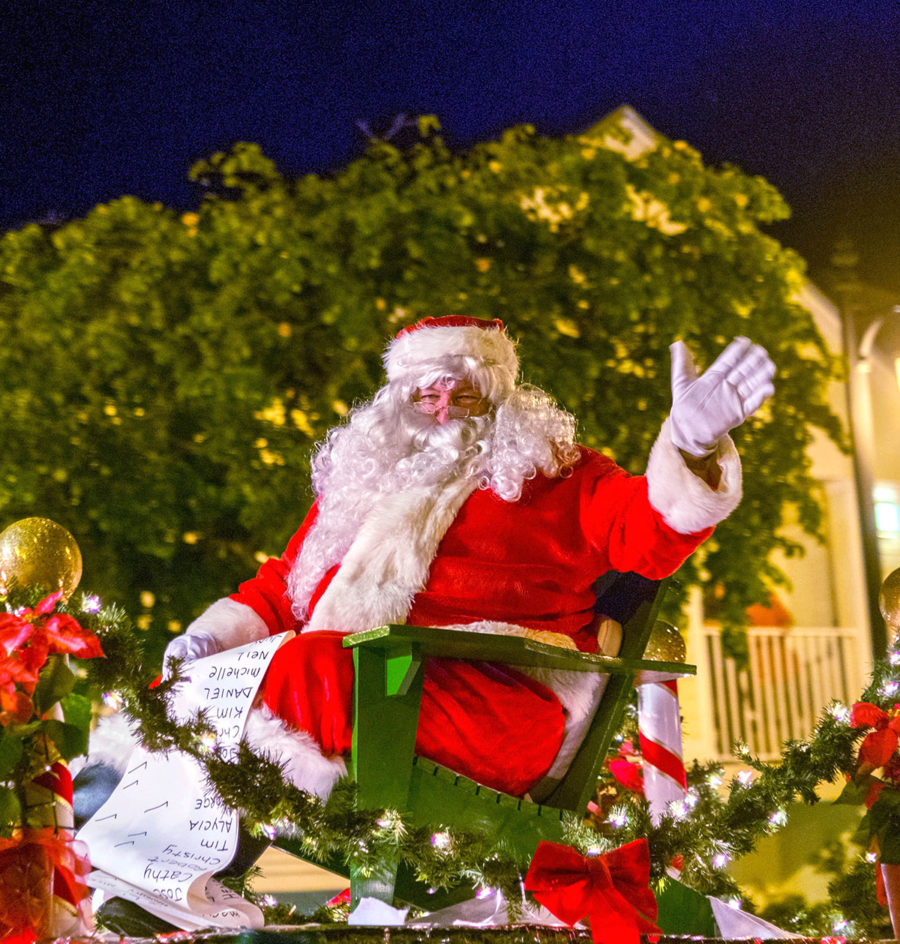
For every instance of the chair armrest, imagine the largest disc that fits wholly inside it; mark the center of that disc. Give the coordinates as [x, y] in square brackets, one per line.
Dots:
[428, 641]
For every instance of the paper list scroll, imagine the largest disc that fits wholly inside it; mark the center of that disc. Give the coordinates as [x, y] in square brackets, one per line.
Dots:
[163, 833]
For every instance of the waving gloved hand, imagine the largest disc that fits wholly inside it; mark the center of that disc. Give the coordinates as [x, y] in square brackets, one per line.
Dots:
[188, 647]
[705, 407]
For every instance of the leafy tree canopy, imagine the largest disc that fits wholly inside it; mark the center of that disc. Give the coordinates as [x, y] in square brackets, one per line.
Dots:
[166, 375]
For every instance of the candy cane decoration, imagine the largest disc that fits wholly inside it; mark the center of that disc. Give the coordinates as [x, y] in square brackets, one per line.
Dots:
[659, 732]
[52, 792]
[49, 804]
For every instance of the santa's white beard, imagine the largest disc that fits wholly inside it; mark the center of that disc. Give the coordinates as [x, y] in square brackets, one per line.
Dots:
[388, 447]
[365, 462]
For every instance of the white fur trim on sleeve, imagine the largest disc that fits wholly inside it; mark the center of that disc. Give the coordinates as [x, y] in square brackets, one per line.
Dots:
[684, 500]
[300, 757]
[579, 693]
[230, 623]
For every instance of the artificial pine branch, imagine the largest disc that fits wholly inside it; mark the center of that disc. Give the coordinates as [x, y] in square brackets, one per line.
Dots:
[716, 825]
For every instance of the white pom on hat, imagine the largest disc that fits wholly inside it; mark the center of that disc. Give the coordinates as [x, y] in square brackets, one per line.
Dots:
[430, 341]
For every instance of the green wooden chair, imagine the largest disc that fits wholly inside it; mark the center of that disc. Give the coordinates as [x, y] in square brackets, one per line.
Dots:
[389, 663]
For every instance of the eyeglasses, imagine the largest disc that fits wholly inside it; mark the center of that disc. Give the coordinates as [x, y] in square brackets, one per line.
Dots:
[456, 411]
[457, 403]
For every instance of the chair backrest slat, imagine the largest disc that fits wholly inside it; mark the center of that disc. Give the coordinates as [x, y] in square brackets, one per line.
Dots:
[633, 601]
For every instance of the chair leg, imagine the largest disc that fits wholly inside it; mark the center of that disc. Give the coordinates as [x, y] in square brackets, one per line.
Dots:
[378, 885]
[249, 849]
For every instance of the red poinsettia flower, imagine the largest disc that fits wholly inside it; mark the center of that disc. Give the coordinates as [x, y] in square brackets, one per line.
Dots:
[626, 772]
[14, 672]
[630, 775]
[66, 635]
[33, 634]
[866, 715]
[34, 654]
[877, 747]
[875, 788]
[15, 708]
[14, 632]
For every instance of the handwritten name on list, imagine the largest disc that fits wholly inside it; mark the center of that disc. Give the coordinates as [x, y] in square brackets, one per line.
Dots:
[163, 833]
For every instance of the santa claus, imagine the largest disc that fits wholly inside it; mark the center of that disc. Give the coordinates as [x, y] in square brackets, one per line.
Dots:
[458, 497]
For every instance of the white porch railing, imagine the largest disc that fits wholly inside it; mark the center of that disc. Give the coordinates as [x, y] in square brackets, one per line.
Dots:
[791, 675]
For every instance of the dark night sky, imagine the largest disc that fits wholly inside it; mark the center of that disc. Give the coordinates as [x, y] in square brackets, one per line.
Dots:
[105, 98]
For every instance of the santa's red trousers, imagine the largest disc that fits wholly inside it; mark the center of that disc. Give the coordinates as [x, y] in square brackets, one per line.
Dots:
[485, 721]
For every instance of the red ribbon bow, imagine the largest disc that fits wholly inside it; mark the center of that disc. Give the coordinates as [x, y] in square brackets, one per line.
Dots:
[612, 889]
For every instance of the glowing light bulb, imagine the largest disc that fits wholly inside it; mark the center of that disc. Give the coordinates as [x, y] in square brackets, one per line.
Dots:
[113, 700]
[441, 840]
[91, 603]
[390, 820]
[840, 713]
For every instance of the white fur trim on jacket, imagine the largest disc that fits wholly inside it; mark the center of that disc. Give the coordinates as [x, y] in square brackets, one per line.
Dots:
[303, 762]
[579, 694]
[300, 757]
[684, 500]
[230, 623]
[390, 558]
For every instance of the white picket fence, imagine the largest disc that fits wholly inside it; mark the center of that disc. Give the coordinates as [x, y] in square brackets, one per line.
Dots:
[791, 676]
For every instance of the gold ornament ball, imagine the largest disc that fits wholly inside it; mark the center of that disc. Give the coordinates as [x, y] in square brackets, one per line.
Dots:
[38, 552]
[889, 600]
[666, 643]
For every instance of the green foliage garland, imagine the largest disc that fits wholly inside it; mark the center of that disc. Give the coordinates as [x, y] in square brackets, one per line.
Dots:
[166, 375]
[718, 822]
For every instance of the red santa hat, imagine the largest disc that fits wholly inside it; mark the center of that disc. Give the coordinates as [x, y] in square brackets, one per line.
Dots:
[432, 342]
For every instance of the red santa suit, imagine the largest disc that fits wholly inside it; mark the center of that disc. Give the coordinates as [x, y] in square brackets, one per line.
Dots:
[461, 556]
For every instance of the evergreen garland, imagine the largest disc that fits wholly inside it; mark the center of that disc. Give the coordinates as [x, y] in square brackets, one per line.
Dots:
[718, 822]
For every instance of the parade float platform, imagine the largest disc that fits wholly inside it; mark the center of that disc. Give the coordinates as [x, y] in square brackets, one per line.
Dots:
[513, 934]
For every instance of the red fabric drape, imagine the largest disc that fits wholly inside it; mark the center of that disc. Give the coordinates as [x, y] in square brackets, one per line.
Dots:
[485, 721]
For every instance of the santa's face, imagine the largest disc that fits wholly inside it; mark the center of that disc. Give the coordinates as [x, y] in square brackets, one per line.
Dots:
[450, 399]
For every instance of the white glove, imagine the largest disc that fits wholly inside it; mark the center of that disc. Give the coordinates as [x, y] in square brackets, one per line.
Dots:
[187, 647]
[706, 407]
